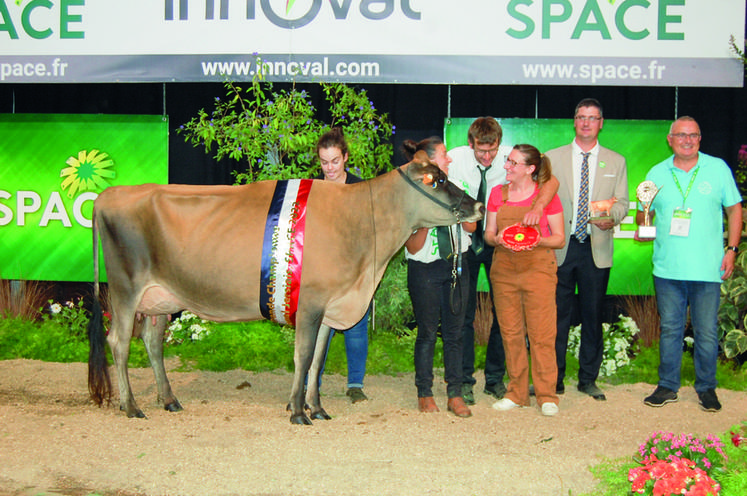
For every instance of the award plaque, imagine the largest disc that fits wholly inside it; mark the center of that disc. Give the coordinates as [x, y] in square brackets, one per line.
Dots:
[600, 210]
[646, 191]
[518, 237]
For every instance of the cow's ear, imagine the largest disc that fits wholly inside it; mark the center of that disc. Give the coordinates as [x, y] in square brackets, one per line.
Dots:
[421, 157]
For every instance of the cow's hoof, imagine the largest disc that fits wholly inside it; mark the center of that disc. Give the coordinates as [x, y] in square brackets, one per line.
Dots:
[300, 419]
[321, 415]
[132, 411]
[174, 406]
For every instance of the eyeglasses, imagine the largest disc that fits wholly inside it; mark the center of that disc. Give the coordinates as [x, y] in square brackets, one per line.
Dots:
[490, 151]
[588, 118]
[684, 136]
[512, 163]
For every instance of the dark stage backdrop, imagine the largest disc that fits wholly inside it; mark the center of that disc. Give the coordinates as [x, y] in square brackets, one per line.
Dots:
[417, 111]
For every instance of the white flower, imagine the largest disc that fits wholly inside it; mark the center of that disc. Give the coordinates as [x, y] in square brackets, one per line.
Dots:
[55, 308]
[617, 340]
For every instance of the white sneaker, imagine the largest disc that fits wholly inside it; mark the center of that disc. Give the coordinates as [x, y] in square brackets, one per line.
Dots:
[504, 404]
[549, 409]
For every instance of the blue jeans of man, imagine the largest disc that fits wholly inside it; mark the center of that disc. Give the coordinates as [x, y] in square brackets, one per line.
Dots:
[673, 297]
[356, 351]
[434, 304]
[495, 357]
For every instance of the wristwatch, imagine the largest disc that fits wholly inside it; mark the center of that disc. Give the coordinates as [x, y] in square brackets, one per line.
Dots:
[735, 249]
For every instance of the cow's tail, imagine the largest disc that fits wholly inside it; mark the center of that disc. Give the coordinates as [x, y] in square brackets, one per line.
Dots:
[99, 383]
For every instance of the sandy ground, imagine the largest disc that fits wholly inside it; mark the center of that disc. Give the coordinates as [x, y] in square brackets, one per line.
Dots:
[234, 438]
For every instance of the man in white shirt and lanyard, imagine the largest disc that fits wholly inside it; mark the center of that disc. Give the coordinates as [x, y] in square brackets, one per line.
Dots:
[484, 157]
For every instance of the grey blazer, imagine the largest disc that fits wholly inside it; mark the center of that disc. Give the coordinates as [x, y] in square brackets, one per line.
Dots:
[610, 179]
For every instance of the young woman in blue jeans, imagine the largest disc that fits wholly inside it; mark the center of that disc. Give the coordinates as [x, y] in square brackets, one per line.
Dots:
[332, 150]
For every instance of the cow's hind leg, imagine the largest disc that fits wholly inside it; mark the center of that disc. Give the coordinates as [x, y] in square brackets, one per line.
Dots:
[312, 388]
[119, 341]
[152, 336]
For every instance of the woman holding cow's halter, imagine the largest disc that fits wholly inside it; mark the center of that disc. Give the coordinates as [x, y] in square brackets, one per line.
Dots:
[429, 281]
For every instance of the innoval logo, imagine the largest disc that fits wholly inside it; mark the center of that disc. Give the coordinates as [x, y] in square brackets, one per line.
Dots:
[287, 14]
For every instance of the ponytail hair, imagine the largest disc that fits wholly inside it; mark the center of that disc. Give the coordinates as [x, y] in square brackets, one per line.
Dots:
[428, 145]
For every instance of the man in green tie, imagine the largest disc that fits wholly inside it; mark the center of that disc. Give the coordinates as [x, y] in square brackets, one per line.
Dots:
[477, 168]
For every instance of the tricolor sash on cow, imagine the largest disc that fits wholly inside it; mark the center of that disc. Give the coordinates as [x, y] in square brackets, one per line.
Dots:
[282, 251]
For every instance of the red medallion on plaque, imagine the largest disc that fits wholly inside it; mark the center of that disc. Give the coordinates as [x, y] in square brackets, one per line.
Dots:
[518, 237]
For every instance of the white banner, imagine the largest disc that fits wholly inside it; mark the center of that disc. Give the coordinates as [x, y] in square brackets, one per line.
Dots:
[567, 42]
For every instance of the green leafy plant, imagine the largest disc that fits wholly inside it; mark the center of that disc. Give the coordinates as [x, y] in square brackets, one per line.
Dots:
[258, 346]
[276, 132]
[618, 344]
[393, 307]
[70, 315]
[732, 314]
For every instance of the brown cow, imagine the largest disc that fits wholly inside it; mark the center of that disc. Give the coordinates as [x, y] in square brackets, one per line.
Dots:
[205, 248]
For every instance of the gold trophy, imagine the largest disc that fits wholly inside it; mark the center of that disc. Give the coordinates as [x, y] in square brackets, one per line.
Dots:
[646, 191]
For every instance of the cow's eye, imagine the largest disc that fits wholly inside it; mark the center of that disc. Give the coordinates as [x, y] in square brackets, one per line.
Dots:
[429, 180]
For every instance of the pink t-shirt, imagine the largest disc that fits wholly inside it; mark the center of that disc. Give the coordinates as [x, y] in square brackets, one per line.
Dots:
[554, 207]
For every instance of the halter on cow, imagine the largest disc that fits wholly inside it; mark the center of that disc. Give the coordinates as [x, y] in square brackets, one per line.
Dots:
[174, 247]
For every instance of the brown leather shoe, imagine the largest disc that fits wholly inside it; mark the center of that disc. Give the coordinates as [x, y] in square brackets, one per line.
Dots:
[427, 405]
[457, 407]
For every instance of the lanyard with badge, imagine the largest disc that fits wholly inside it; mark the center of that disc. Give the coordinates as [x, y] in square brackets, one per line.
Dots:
[681, 216]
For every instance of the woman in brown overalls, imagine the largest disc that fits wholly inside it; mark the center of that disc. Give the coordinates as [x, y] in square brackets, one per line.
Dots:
[524, 280]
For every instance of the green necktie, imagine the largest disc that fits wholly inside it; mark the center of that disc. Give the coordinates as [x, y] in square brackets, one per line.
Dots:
[443, 234]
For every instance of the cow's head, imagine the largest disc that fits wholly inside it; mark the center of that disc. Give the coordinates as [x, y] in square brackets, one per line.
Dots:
[448, 204]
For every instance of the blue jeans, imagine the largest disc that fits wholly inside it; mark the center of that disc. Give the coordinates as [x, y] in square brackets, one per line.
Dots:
[673, 298]
[356, 351]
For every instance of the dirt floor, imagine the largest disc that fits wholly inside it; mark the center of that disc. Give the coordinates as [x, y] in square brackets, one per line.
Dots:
[234, 438]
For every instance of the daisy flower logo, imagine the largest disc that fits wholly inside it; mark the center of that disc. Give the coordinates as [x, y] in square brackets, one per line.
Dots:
[87, 172]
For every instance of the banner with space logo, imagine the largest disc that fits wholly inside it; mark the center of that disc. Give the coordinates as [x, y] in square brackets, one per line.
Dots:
[643, 145]
[534, 42]
[53, 168]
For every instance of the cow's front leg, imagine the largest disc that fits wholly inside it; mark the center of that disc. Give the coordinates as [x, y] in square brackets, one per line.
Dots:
[152, 336]
[306, 334]
[314, 376]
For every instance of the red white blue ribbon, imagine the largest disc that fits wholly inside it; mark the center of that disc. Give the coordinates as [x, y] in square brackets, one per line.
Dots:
[282, 251]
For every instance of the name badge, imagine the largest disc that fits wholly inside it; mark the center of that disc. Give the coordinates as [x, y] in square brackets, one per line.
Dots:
[681, 222]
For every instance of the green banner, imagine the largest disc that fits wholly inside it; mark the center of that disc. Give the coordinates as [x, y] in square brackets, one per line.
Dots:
[52, 168]
[642, 143]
